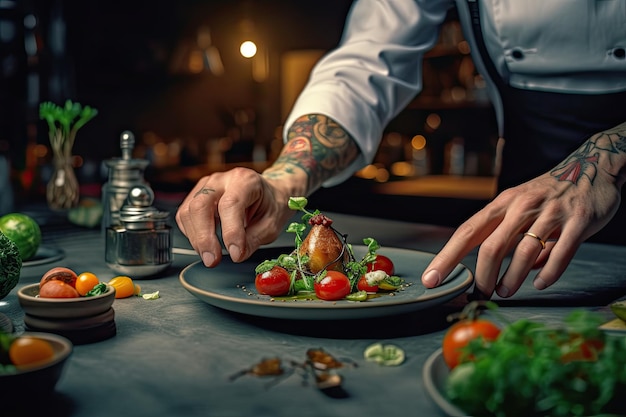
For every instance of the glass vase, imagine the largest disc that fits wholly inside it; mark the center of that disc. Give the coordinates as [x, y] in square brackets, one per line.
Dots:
[62, 191]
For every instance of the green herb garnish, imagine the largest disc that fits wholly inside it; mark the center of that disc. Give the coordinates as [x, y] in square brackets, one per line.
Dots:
[98, 289]
[302, 280]
[534, 369]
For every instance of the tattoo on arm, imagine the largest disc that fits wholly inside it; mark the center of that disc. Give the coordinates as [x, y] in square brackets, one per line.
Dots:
[318, 146]
[584, 162]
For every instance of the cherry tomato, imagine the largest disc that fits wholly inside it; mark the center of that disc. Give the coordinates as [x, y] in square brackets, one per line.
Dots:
[274, 282]
[27, 350]
[124, 286]
[461, 333]
[334, 286]
[587, 350]
[362, 285]
[382, 263]
[85, 282]
[59, 273]
[57, 289]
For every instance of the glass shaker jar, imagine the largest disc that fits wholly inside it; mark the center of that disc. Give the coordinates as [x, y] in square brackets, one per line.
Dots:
[141, 245]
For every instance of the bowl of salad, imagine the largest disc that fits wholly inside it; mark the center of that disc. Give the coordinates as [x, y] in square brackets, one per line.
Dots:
[528, 368]
[32, 362]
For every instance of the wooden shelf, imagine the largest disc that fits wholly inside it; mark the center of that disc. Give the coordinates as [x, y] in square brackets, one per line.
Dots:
[449, 186]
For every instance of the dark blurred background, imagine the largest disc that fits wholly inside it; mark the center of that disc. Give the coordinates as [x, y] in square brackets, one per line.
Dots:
[173, 74]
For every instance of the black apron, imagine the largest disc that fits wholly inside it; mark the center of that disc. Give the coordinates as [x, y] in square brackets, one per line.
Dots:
[542, 128]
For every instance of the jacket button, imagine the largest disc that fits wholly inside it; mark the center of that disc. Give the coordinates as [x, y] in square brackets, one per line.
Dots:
[517, 54]
[619, 53]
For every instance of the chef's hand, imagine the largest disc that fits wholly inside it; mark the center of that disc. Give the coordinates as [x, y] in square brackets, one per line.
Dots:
[542, 222]
[250, 209]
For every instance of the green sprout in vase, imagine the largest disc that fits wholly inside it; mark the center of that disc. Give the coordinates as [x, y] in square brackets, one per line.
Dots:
[64, 122]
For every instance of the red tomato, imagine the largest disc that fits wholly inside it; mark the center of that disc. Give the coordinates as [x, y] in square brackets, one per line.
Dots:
[57, 289]
[460, 334]
[59, 273]
[334, 286]
[587, 351]
[362, 285]
[382, 263]
[274, 282]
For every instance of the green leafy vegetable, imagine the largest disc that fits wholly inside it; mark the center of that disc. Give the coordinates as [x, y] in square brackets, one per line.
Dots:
[533, 369]
[6, 367]
[10, 265]
[98, 289]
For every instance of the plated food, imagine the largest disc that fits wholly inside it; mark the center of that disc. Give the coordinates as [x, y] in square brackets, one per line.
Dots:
[323, 265]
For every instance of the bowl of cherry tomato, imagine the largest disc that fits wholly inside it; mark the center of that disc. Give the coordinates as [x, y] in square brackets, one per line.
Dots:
[64, 308]
[32, 362]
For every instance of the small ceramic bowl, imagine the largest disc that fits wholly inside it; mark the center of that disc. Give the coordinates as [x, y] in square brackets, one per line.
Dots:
[63, 308]
[40, 378]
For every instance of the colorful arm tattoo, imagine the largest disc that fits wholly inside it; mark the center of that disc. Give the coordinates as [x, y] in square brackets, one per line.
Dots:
[318, 146]
[608, 146]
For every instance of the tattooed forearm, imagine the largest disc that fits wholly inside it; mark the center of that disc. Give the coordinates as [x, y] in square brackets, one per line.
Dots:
[605, 150]
[318, 146]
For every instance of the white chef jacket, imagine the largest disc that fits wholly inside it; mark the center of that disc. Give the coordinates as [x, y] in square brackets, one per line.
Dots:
[574, 46]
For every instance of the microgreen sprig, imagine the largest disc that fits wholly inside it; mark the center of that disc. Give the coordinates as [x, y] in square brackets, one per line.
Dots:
[295, 262]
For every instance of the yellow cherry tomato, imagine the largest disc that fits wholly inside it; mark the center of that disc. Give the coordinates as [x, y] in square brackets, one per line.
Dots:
[85, 282]
[124, 286]
[27, 350]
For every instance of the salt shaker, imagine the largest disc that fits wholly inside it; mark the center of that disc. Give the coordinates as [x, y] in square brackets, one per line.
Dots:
[141, 245]
[124, 173]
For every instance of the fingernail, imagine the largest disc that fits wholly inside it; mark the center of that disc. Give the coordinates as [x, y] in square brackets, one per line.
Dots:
[502, 291]
[540, 284]
[235, 252]
[431, 278]
[208, 258]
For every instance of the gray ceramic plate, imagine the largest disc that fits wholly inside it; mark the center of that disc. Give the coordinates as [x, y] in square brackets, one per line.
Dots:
[222, 287]
[45, 255]
[434, 373]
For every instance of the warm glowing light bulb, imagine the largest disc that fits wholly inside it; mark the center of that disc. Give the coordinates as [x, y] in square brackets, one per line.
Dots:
[248, 49]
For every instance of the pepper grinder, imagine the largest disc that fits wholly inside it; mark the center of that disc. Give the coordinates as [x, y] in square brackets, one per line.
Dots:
[124, 173]
[142, 244]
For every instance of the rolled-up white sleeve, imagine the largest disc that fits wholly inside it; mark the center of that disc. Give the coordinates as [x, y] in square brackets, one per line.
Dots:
[375, 71]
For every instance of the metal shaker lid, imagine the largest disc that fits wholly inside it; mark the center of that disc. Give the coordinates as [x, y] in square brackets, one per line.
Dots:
[122, 166]
[138, 214]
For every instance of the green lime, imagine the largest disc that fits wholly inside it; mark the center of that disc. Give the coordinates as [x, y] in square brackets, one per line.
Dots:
[24, 231]
[619, 309]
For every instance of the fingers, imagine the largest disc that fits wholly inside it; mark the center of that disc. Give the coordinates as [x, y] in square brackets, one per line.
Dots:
[524, 259]
[466, 237]
[497, 231]
[196, 218]
[236, 210]
[241, 205]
